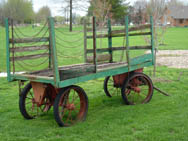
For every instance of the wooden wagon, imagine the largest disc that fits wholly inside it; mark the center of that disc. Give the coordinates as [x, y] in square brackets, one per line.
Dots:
[56, 87]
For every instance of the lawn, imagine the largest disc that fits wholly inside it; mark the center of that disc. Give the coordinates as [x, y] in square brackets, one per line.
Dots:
[164, 118]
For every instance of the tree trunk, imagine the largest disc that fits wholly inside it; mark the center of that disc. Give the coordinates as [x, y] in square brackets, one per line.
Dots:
[70, 29]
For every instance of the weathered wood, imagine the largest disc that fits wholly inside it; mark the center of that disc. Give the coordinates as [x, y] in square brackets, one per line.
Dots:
[100, 58]
[141, 27]
[141, 59]
[120, 35]
[67, 73]
[94, 44]
[85, 41]
[29, 40]
[119, 49]
[29, 48]
[89, 29]
[28, 57]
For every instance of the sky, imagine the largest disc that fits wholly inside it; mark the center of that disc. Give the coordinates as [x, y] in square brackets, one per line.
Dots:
[55, 7]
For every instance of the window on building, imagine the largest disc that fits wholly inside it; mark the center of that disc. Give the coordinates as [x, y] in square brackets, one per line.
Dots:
[181, 21]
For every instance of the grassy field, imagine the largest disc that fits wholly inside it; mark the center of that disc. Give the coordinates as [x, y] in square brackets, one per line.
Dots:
[164, 118]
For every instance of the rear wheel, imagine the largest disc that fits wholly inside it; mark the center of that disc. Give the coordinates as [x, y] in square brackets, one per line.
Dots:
[137, 89]
[109, 87]
[71, 106]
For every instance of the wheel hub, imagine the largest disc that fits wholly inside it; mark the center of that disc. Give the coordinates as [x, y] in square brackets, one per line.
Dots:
[70, 106]
[137, 89]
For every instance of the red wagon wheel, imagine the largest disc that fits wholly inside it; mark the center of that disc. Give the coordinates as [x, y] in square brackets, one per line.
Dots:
[71, 106]
[27, 105]
[109, 87]
[137, 89]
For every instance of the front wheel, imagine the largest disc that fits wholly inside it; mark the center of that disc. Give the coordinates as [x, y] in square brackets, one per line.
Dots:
[137, 89]
[27, 105]
[71, 106]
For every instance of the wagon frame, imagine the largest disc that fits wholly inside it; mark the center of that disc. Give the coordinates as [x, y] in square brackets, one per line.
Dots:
[62, 79]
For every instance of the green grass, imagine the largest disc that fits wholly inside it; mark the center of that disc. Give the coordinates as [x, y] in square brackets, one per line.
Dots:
[164, 118]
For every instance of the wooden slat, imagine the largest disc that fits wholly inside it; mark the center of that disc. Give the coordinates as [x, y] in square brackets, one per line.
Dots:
[28, 57]
[76, 71]
[120, 35]
[142, 27]
[100, 58]
[29, 40]
[89, 29]
[140, 34]
[29, 48]
[119, 48]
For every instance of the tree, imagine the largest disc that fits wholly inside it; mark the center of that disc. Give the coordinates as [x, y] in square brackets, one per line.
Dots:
[43, 14]
[19, 10]
[100, 9]
[175, 3]
[69, 6]
[157, 8]
[118, 8]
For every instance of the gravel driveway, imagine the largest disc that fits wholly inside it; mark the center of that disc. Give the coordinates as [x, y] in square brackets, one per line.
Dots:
[173, 58]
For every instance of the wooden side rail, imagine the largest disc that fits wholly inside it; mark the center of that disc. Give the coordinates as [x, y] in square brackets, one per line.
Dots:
[120, 35]
[137, 28]
[29, 40]
[119, 49]
[29, 48]
[29, 57]
[100, 58]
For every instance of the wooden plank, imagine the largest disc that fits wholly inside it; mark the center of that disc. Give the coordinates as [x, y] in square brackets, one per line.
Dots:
[76, 72]
[127, 41]
[141, 59]
[8, 50]
[141, 27]
[29, 40]
[29, 57]
[120, 35]
[111, 72]
[29, 48]
[100, 58]
[89, 29]
[140, 34]
[110, 40]
[54, 51]
[85, 41]
[94, 44]
[102, 50]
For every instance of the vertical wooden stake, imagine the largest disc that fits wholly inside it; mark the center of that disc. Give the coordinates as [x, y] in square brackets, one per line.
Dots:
[8, 50]
[94, 44]
[110, 40]
[85, 41]
[13, 46]
[153, 51]
[54, 53]
[127, 40]
[50, 47]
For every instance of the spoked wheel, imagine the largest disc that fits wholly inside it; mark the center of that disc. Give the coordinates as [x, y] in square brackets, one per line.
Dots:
[109, 87]
[71, 106]
[137, 89]
[27, 105]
